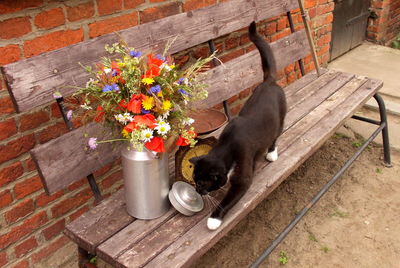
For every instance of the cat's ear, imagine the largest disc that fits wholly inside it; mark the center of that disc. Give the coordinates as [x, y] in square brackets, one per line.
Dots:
[194, 160]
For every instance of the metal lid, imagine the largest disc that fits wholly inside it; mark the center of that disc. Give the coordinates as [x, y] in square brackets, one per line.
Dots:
[185, 199]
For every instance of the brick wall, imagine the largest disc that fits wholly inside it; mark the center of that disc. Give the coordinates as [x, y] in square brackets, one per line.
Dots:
[386, 26]
[32, 222]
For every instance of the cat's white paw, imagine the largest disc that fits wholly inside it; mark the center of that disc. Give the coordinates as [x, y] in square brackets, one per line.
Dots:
[272, 156]
[213, 223]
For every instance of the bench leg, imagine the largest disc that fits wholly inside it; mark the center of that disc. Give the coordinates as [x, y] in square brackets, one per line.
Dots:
[385, 133]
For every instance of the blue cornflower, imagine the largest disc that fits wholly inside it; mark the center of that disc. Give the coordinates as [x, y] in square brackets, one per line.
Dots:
[114, 73]
[134, 53]
[144, 111]
[183, 91]
[107, 88]
[160, 57]
[155, 89]
[181, 80]
[115, 87]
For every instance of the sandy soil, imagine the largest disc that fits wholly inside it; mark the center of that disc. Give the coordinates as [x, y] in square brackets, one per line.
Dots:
[356, 224]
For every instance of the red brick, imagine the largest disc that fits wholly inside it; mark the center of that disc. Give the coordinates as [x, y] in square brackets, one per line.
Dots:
[244, 39]
[16, 147]
[25, 228]
[50, 18]
[245, 93]
[77, 184]
[195, 4]
[270, 28]
[10, 173]
[281, 24]
[202, 52]
[27, 187]
[236, 109]
[233, 99]
[291, 78]
[232, 55]
[54, 230]
[10, 6]
[280, 35]
[52, 132]
[133, 3]
[73, 202]
[21, 264]
[181, 59]
[52, 41]
[106, 7]
[7, 128]
[29, 165]
[10, 53]
[154, 13]
[312, 12]
[3, 259]
[5, 198]
[80, 12]
[78, 213]
[25, 247]
[113, 24]
[103, 170]
[44, 199]
[231, 43]
[50, 249]
[33, 120]
[323, 50]
[289, 68]
[20, 210]
[6, 106]
[323, 9]
[14, 27]
[112, 179]
[310, 3]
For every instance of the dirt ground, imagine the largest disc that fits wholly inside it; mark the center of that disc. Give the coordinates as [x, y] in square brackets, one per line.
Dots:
[356, 223]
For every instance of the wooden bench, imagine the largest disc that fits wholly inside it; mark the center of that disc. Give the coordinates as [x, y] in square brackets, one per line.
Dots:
[317, 106]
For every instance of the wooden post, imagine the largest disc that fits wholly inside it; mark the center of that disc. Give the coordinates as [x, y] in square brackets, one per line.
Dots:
[309, 36]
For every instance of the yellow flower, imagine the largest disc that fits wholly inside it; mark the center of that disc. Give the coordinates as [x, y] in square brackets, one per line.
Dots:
[172, 66]
[148, 102]
[166, 105]
[125, 133]
[121, 64]
[159, 94]
[147, 81]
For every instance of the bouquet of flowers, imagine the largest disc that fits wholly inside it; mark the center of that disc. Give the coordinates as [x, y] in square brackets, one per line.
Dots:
[144, 98]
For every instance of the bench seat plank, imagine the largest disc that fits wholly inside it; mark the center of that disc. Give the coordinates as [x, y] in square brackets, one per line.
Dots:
[33, 81]
[99, 223]
[89, 238]
[198, 240]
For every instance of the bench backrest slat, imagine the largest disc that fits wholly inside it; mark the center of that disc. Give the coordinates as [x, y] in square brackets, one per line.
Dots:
[32, 81]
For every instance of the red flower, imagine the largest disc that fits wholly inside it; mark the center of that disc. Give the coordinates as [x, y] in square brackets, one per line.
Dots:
[123, 104]
[135, 104]
[181, 141]
[154, 66]
[99, 114]
[130, 127]
[148, 119]
[114, 66]
[156, 144]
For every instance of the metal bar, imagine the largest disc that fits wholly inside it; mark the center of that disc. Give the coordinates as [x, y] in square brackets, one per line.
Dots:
[61, 107]
[368, 120]
[309, 36]
[324, 189]
[292, 30]
[385, 131]
[211, 45]
[94, 187]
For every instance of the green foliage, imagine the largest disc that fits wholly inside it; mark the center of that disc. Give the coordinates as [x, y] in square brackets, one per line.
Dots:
[378, 170]
[339, 213]
[325, 249]
[283, 257]
[93, 260]
[396, 43]
[356, 144]
[312, 236]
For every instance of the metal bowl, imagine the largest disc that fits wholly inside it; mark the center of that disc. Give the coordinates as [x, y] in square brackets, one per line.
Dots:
[185, 199]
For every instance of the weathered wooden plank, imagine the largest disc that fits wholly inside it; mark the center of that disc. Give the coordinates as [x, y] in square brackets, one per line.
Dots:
[99, 223]
[198, 240]
[302, 82]
[149, 247]
[66, 159]
[114, 247]
[32, 81]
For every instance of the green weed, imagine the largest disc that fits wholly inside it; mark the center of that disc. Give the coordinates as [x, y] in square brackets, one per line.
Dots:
[325, 249]
[312, 237]
[340, 214]
[283, 257]
[378, 170]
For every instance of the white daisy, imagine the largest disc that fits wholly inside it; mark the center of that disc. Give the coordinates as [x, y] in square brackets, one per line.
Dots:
[162, 127]
[86, 106]
[107, 70]
[147, 135]
[188, 121]
[124, 118]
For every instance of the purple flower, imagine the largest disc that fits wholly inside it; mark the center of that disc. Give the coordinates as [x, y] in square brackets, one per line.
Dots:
[107, 88]
[155, 89]
[114, 72]
[57, 95]
[144, 111]
[184, 92]
[115, 87]
[135, 54]
[181, 80]
[69, 115]
[160, 57]
[92, 143]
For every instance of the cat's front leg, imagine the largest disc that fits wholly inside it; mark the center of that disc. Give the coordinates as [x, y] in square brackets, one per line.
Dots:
[240, 182]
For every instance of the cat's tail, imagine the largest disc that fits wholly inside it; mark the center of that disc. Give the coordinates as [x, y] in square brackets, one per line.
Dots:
[267, 59]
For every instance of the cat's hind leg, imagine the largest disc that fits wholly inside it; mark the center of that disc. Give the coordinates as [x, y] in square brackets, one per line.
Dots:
[272, 154]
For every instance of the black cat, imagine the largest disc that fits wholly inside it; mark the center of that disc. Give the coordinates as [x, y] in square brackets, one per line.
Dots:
[252, 134]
